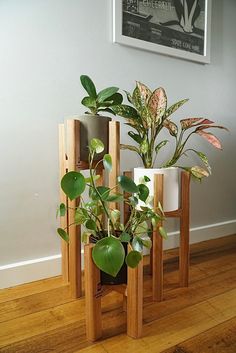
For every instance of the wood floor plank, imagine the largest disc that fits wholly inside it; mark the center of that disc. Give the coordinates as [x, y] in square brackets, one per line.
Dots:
[36, 324]
[219, 339]
[182, 325]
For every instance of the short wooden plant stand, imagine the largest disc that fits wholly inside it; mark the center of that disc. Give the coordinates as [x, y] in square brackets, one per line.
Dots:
[94, 291]
[69, 158]
[157, 241]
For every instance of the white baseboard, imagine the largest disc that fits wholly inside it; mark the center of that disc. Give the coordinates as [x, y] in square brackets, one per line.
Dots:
[33, 270]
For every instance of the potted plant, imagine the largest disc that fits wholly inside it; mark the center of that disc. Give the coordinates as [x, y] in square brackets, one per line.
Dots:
[103, 224]
[147, 117]
[92, 123]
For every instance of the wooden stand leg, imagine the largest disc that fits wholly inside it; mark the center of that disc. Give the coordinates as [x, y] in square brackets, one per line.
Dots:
[157, 245]
[92, 296]
[114, 151]
[63, 199]
[184, 231]
[135, 301]
[75, 277]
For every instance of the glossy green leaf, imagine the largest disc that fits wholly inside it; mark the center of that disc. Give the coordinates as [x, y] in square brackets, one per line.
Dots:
[106, 93]
[146, 241]
[91, 224]
[108, 255]
[103, 192]
[127, 184]
[133, 258]
[80, 217]
[143, 192]
[62, 210]
[96, 145]
[89, 102]
[125, 111]
[116, 98]
[73, 184]
[88, 85]
[125, 237]
[63, 234]
[146, 179]
[107, 162]
[114, 197]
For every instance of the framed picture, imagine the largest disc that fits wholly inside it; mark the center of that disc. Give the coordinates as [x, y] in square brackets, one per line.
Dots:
[178, 28]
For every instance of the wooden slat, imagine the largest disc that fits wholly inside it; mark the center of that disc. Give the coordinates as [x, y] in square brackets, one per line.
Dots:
[184, 231]
[74, 231]
[135, 301]
[92, 296]
[63, 199]
[114, 151]
[157, 244]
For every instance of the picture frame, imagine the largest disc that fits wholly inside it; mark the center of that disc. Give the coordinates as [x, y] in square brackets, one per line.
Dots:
[179, 28]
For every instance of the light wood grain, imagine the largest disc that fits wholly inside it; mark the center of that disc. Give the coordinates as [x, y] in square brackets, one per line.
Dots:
[73, 136]
[184, 231]
[92, 296]
[157, 244]
[135, 301]
[181, 318]
[63, 199]
[114, 151]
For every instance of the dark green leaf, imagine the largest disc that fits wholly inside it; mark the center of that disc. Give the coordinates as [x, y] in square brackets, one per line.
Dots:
[133, 200]
[116, 98]
[63, 234]
[127, 184]
[114, 197]
[96, 145]
[73, 184]
[160, 145]
[91, 224]
[146, 179]
[106, 93]
[143, 192]
[108, 255]
[89, 102]
[126, 111]
[62, 210]
[125, 237]
[133, 258]
[107, 162]
[135, 137]
[88, 85]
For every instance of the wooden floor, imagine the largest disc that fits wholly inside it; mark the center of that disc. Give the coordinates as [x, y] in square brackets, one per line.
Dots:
[41, 318]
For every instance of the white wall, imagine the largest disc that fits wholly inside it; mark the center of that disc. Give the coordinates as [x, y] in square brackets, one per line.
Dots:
[45, 46]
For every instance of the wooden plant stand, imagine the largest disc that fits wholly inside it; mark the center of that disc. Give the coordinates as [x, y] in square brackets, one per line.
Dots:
[69, 159]
[157, 248]
[94, 291]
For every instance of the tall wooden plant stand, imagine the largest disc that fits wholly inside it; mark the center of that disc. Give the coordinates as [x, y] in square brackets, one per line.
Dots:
[157, 248]
[94, 291]
[69, 159]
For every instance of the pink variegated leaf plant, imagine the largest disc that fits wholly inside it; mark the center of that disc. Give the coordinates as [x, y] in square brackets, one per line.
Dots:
[149, 114]
[189, 127]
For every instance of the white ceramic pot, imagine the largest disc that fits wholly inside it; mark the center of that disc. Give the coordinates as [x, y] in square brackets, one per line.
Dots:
[171, 185]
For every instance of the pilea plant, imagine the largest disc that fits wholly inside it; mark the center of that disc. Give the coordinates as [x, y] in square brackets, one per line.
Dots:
[101, 101]
[108, 236]
[147, 117]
